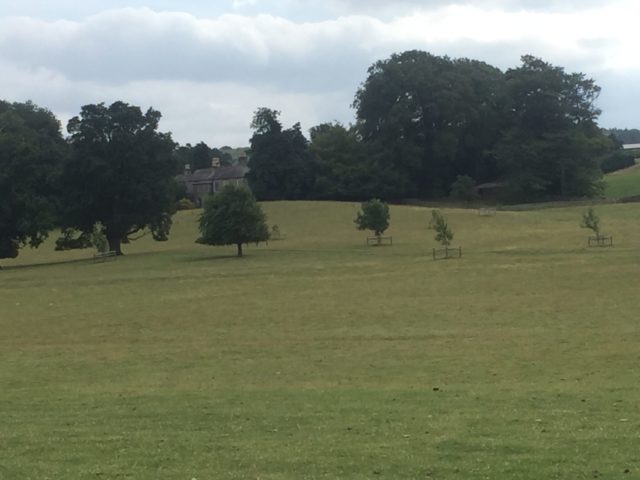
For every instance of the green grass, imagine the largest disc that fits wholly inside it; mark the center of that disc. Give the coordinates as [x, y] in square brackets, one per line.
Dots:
[319, 357]
[623, 183]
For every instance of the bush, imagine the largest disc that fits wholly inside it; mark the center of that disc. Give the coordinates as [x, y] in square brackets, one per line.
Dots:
[464, 188]
[185, 204]
[617, 161]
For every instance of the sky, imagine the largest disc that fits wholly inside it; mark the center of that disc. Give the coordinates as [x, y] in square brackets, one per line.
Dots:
[207, 65]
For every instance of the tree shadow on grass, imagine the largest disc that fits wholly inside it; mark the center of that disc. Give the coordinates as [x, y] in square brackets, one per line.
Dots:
[7, 268]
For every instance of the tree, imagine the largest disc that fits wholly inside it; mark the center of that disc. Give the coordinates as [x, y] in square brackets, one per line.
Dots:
[431, 118]
[120, 173]
[374, 215]
[281, 164]
[438, 222]
[553, 146]
[464, 188]
[344, 167]
[31, 153]
[591, 221]
[232, 217]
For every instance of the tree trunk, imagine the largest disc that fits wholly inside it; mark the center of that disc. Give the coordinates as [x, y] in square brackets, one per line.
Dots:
[115, 244]
[239, 249]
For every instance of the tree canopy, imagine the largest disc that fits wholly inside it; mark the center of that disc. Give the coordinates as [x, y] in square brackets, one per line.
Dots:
[31, 153]
[373, 215]
[280, 163]
[120, 173]
[232, 217]
[552, 145]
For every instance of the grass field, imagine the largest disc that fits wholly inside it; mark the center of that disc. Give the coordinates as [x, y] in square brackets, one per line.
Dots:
[623, 183]
[319, 357]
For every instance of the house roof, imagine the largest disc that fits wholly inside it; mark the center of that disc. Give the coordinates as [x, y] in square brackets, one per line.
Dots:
[205, 175]
[230, 172]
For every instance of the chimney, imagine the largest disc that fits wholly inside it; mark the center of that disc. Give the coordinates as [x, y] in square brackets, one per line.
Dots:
[243, 161]
[215, 162]
[187, 169]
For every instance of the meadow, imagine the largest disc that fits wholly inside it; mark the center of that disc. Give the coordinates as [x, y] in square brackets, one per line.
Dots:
[623, 183]
[316, 356]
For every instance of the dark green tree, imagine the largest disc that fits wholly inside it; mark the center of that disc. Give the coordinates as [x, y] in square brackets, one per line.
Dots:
[281, 164]
[232, 217]
[552, 146]
[31, 154]
[373, 215]
[345, 170]
[121, 173]
[464, 189]
[430, 119]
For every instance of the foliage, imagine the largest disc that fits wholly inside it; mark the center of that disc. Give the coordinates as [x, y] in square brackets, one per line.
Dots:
[373, 215]
[121, 173]
[281, 166]
[618, 160]
[624, 135]
[232, 217]
[553, 146]
[185, 204]
[199, 156]
[438, 222]
[31, 153]
[430, 118]
[464, 188]
[591, 221]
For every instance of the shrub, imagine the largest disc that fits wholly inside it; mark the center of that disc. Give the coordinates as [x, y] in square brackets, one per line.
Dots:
[617, 161]
[185, 204]
[464, 188]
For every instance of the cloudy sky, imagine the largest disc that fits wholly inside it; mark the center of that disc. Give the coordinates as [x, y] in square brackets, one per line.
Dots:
[208, 64]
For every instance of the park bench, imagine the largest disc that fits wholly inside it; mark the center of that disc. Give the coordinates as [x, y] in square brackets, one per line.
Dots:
[104, 256]
[600, 241]
[447, 252]
[379, 240]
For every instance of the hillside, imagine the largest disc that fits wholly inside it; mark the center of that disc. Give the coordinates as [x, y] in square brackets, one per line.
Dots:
[623, 183]
[319, 357]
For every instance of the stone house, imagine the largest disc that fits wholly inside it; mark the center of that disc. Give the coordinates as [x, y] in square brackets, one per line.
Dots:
[207, 181]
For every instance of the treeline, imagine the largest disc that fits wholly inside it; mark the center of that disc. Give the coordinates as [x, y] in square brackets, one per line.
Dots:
[111, 180]
[427, 124]
[624, 135]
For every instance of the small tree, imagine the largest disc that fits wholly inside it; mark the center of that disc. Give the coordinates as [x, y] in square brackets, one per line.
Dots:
[374, 215]
[591, 221]
[438, 222]
[232, 217]
[464, 188]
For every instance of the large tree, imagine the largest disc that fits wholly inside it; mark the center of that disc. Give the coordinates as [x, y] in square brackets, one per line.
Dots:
[232, 217]
[431, 118]
[31, 152]
[120, 173]
[280, 163]
[552, 145]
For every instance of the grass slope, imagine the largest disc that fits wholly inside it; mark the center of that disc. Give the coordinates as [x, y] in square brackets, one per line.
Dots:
[317, 357]
[623, 183]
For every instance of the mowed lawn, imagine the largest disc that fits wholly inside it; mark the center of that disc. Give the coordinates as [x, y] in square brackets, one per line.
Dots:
[623, 183]
[318, 357]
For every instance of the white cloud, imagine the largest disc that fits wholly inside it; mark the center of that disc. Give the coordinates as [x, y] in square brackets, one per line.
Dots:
[207, 75]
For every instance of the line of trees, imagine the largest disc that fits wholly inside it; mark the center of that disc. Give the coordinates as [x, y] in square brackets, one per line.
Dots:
[112, 177]
[423, 122]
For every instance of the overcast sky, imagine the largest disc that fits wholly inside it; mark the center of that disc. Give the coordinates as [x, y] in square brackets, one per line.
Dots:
[208, 64]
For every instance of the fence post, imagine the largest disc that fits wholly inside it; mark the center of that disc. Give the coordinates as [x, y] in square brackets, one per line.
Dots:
[434, 253]
[460, 252]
